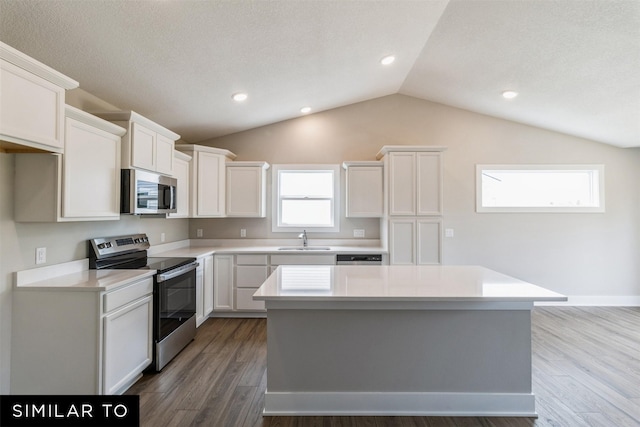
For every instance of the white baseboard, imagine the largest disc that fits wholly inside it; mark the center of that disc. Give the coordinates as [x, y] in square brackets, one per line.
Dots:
[597, 300]
[399, 404]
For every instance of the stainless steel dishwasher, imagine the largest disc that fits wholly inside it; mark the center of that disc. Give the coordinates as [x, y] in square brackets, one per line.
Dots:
[359, 259]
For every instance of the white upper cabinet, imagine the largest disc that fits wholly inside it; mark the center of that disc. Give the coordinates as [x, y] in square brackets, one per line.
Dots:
[246, 189]
[182, 173]
[146, 145]
[414, 180]
[364, 184]
[413, 186]
[32, 101]
[208, 180]
[81, 185]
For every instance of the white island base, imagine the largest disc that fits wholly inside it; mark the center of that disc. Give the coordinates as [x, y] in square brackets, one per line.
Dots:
[399, 341]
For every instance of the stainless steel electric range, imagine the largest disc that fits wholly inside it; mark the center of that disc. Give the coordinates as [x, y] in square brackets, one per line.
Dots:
[174, 290]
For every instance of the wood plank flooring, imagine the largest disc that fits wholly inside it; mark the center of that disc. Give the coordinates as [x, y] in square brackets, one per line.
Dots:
[586, 372]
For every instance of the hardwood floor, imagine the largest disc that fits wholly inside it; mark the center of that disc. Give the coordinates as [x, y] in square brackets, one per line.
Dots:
[586, 372]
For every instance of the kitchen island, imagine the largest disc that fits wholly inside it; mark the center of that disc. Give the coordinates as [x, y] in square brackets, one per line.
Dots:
[399, 340]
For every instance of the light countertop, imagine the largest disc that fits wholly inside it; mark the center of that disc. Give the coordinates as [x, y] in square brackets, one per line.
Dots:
[200, 251]
[398, 283]
[88, 280]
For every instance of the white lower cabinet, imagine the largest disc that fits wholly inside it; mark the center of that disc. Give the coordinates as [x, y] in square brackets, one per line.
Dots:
[238, 277]
[223, 283]
[127, 344]
[67, 341]
[204, 288]
[415, 241]
[251, 272]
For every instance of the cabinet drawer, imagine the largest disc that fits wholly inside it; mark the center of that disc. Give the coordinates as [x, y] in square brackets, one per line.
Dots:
[127, 294]
[244, 300]
[303, 259]
[251, 259]
[250, 276]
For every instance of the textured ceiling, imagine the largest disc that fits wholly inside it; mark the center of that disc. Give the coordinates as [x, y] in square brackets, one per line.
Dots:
[576, 64]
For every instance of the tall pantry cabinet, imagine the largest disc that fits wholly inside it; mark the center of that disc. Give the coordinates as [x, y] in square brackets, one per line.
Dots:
[413, 203]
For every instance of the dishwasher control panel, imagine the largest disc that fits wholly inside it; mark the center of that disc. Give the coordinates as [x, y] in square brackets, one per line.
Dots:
[359, 259]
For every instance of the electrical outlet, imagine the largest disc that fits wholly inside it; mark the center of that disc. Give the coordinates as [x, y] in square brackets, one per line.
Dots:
[199, 232]
[243, 232]
[448, 232]
[41, 255]
[358, 232]
[162, 237]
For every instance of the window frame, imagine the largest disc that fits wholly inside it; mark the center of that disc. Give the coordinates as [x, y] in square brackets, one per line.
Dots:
[480, 168]
[276, 223]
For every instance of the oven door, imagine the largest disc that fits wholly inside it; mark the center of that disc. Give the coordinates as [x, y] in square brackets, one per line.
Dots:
[175, 300]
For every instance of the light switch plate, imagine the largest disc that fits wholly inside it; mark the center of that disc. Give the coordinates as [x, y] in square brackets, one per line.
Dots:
[358, 232]
[448, 232]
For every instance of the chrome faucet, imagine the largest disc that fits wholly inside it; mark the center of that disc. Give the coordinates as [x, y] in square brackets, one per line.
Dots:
[303, 236]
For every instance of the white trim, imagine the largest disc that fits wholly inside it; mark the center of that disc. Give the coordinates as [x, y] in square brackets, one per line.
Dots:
[275, 197]
[400, 403]
[541, 167]
[407, 148]
[25, 62]
[596, 300]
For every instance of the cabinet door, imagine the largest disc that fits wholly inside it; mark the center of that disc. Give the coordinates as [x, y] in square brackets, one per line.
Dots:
[127, 344]
[245, 302]
[402, 184]
[143, 147]
[402, 236]
[364, 192]
[91, 177]
[32, 109]
[223, 283]
[207, 288]
[429, 184]
[250, 276]
[199, 295]
[164, 155]
[245, 192]
[211, 182]
[428, 240]
[181, 173]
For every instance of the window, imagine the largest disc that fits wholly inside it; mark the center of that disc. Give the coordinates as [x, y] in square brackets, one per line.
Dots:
[540, 188]
[306, 197]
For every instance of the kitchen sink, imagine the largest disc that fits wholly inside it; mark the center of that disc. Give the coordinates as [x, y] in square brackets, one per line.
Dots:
[307, 248]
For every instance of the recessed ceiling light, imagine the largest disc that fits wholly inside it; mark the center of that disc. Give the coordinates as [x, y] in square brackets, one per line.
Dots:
[240, 96]
[305, 110]
[387, 60]
[509, 94]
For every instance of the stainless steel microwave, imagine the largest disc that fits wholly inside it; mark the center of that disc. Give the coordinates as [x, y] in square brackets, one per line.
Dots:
[147, 193]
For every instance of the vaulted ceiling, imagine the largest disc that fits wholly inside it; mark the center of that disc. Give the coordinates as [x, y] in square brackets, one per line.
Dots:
[575, 64]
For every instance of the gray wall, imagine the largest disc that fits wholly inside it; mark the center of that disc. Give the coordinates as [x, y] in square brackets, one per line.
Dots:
[575, 254]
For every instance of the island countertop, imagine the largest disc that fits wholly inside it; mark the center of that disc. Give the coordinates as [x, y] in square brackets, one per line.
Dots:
[454, 283]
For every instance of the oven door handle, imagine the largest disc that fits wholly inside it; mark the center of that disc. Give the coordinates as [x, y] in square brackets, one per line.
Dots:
[177, 272]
